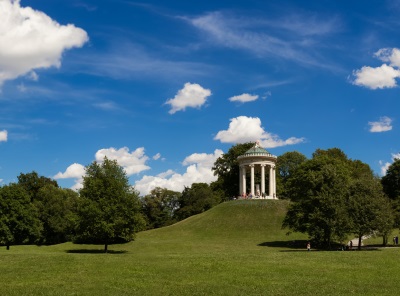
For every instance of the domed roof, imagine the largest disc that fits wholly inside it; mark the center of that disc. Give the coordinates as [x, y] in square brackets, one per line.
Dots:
[257, 152]
[256, 149]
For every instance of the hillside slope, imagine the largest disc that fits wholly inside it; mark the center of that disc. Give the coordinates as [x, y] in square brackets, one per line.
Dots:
[245, 223]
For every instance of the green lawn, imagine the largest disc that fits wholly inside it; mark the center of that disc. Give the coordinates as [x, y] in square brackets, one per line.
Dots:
[236, 248]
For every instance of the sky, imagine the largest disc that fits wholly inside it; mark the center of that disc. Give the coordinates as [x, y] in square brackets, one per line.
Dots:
[167, 87]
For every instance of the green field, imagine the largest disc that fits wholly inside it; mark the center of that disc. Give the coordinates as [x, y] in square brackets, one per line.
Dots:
[236, 248]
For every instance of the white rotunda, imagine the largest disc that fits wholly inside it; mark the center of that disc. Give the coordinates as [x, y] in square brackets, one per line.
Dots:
[257, 160]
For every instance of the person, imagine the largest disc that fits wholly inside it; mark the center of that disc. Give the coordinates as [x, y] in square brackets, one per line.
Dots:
[351, 245]
[308, 246]
[397, 240]
[394, 240]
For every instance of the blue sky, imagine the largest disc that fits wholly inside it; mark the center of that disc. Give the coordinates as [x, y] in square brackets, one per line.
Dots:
[166, 87]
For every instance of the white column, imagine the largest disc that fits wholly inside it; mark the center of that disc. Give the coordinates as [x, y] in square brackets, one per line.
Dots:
[240, 180]
[244, 180]
[262, 178]
[252, 179]
[271, 182]
[274, 182]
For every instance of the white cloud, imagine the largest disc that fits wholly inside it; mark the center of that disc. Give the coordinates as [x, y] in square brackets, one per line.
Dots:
[133, 163]
[1, 181]
[29, 39]
[157, 156]
[244, 129]
[74, 171]
[383, 125]
[383, 76]
[3, 136]
[385, 165]
[191, 95]
[373, 78]
[243, 98]
[389, 55]
[199, 170]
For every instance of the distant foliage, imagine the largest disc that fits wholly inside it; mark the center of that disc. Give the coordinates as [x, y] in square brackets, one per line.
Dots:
[159, 207]
[196, 199]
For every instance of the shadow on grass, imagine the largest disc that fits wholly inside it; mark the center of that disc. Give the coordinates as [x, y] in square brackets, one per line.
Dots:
[296, 244]
[301, 245]
[94, 251]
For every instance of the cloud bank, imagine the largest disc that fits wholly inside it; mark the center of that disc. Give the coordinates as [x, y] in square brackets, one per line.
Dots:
[133, 163]
[199, 170]
[29, 40]
[244, 129]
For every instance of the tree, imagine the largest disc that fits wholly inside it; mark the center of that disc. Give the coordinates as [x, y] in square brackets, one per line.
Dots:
[19, 221]
[226, 167]
[196, 199]
[57, 212]
[32, 183]
[287, 164]
[335, 196]
[368, 208]
[159, 207]
[391, 180]
[318, 188]
[110, 208]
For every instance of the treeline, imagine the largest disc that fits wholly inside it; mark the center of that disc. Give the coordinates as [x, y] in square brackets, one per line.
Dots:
[332, 197]
[107, 210]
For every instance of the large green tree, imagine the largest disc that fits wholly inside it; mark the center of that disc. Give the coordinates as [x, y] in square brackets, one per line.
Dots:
[318, 189]
[19, 221]
[369, 210]
[110, 210]
[159, 207]
[335, 196]
[226, 167]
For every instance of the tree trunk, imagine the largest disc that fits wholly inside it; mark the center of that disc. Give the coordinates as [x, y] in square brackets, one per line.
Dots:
[359, 242]
[8, 247]
[105, 248]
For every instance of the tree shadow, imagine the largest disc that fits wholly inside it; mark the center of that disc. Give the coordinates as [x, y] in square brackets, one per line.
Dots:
[300, 246]
[293, 244]
[94, 251]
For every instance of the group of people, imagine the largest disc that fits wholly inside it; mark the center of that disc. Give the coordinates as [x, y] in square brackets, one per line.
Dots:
[395, 240]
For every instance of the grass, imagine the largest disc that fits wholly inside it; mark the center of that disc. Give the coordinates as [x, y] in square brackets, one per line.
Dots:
[236, 248]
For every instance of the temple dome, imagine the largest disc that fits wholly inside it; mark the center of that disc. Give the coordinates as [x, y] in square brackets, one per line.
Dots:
[256, 150]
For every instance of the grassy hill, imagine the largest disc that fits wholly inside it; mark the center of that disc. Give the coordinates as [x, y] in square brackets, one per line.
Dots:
[236, 248]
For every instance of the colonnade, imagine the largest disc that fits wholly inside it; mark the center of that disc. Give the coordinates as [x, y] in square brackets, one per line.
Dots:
[253, 167]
